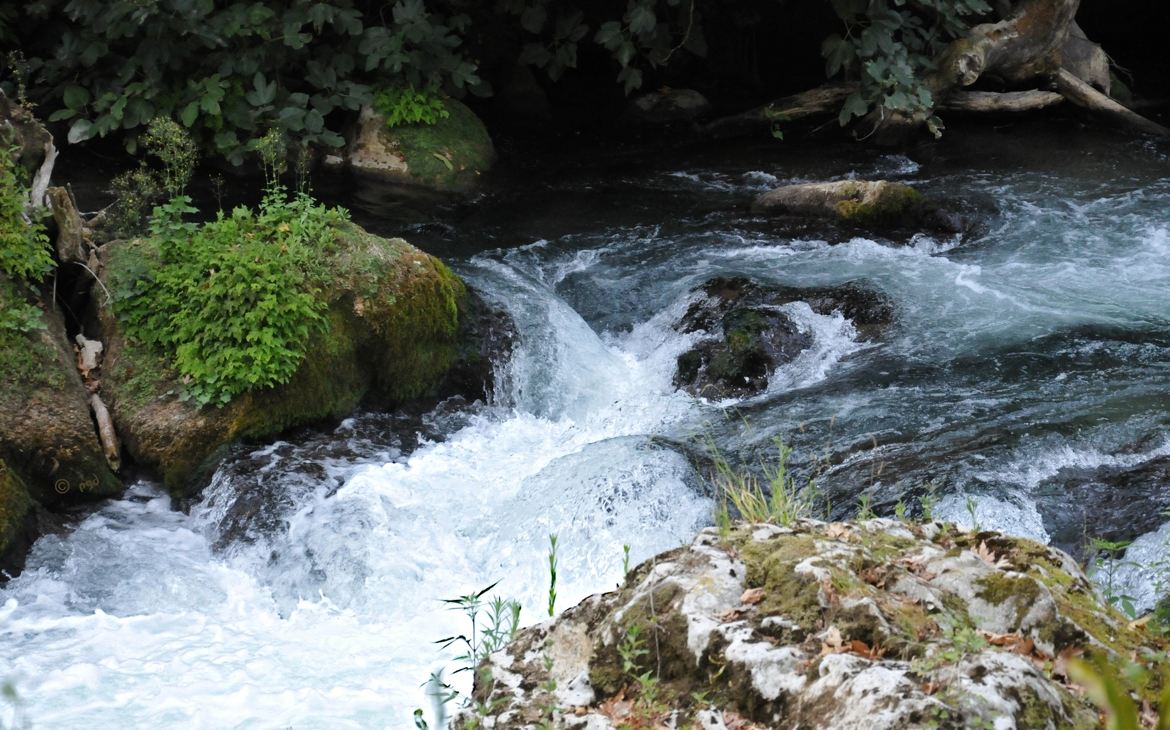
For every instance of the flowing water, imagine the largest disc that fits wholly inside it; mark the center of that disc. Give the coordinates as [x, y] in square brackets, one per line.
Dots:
[1024, 385]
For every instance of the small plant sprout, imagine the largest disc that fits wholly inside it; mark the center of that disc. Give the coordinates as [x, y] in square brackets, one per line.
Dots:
[973, 512]
[626, 559]
[552, 574]
[900, 510]
[864, 508]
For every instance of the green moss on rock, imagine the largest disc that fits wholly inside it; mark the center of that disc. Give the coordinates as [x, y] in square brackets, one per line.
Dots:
[392, 333]
[16, 516]
[445, 154]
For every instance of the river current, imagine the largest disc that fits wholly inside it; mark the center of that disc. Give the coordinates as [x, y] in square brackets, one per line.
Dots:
[1025, 386]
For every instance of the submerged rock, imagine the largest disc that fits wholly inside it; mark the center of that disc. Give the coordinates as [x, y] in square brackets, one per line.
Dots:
[873, 624]
[751, 335]
[447, 155]
[869, 204]
[401, 326]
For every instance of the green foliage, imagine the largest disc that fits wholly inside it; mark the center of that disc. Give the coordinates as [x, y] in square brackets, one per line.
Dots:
[1110, 689]
[402, 105]
[552, 575]
[138, 190]
[234, 301]
[24, 253]
[229, 71]
[175, 149]
[493, 623]
[24, 247]
[889, 46]
[777, 498]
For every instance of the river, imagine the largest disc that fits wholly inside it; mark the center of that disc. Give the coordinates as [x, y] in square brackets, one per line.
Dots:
[1024, 385]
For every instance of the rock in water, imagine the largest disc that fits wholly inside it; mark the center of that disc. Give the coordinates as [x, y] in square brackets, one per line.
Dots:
[750, 336]
[667, 106]
[874, 624]
[869, 204]
[447, 155]
[401, 326]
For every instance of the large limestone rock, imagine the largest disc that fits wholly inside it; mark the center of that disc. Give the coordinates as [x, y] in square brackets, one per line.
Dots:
[401, 327]
[448, 155]
[871, 204]
[868, 625]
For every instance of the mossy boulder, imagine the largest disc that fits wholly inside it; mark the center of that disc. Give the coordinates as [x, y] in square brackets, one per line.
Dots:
[400, 326]
[667, 106]
[875, 624]
[448, 155]
[748, 333]
[868, 204]
[47, 435]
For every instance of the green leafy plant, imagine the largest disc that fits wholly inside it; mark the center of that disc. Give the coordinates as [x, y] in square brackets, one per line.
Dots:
[403, 105]
[234, 302]
[493, 623]
[108, 67]
[1110, 691]
[889, 47]
[552, 575]
[1106, 560]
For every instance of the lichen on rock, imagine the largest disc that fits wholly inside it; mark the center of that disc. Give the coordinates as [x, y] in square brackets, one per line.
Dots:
[869, 204]
[869, 624]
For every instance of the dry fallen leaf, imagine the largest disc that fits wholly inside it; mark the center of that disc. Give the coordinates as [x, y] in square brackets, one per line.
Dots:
[732, 614]
[752, 596]
[988, 556]
[838, 531]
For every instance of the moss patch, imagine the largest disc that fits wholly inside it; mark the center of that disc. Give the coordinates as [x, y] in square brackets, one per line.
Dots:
[391, 334]
[15, 510]
[890, 204]
[447, 154]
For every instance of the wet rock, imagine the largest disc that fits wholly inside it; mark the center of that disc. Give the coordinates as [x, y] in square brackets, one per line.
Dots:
[1114, 503]
[874, 624]
[18, 526]
[751, 335]
[667, 106]
[401, 327]
[448, 155]
[869, 204]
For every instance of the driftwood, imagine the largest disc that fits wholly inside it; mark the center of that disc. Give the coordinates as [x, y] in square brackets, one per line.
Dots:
[1082, 94]
[814, 102]
[111, 446]
[1036, 43]
[993, 102]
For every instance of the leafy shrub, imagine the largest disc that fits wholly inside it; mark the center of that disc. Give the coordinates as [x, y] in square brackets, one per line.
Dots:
[138, 190]
[24, 252]
[229, 71]
[889, 47]
[404, 105]
[24, 247]
[234, 301]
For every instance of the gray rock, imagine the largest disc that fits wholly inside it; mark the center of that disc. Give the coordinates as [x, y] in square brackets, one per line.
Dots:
[867, 625]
